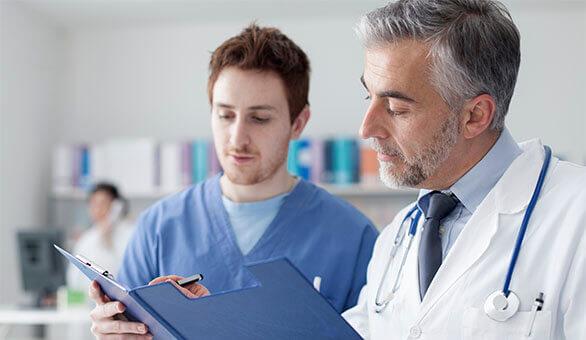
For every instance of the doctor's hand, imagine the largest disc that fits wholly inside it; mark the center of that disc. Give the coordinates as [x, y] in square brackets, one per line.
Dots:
[108, 322]
[192, 290]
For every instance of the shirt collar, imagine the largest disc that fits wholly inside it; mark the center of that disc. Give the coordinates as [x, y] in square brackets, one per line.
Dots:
[472, 188]
[256, 206]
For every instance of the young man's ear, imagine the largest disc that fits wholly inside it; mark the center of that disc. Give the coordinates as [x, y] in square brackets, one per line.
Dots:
[300, 122]
[478, 115]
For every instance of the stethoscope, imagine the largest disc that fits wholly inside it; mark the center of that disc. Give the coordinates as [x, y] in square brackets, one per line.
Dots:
[500, 305]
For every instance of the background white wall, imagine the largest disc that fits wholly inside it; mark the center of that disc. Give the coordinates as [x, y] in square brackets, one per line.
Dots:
[31, 66]
[150, 80]
[549, 97]
[71, 73]
[129, 81]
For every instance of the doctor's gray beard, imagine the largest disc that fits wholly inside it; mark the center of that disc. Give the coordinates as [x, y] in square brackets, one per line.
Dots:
[428, 157]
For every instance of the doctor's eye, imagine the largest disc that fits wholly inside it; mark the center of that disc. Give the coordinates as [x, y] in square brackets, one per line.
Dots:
[396, 113]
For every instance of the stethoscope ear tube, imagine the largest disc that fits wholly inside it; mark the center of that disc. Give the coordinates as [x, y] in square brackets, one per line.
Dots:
[380, 305]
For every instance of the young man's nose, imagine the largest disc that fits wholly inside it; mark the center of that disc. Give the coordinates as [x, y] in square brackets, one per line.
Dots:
[239, 136]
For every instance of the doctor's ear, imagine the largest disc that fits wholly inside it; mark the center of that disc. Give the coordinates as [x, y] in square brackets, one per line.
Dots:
[300, 122]
[478, 115]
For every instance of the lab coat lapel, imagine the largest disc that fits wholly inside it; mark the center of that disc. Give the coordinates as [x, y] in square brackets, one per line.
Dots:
[470, 245]
[412, 296]
[509, 196]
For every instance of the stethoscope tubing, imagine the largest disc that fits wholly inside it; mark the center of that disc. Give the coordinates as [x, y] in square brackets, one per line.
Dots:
[526, 218]
[399, 238]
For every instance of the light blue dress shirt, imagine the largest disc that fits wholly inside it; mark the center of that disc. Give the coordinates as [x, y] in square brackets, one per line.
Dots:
[250, 220]
[472, 188]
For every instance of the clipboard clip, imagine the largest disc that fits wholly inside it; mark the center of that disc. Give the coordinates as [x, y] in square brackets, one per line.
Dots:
[99, 269]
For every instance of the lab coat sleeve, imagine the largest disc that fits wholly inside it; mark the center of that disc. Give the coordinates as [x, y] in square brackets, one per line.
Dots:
[357, 316]
[574, 323]
[139, 265]
[359, 278]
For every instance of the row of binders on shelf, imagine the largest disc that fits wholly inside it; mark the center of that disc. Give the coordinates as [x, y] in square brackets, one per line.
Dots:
[145, 166]
[137, 166]
[339, 161]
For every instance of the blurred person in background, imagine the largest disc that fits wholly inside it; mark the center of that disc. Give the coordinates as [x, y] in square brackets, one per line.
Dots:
[104, 242]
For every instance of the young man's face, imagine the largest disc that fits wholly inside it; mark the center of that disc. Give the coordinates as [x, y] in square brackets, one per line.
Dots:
[410, 125]
[250, 124]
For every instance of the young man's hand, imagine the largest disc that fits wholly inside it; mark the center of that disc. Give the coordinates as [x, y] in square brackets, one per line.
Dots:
[108, 322]
[192, 290]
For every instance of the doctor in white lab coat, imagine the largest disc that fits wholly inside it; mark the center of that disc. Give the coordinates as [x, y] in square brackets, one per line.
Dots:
[440, 75]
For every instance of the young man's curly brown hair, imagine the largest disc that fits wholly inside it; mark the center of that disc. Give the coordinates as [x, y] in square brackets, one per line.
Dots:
[265, 49]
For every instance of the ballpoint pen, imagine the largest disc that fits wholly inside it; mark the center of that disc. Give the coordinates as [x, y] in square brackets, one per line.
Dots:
[537, 306]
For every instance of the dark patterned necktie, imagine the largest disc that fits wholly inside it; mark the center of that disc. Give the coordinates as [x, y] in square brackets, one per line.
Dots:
[430, 247]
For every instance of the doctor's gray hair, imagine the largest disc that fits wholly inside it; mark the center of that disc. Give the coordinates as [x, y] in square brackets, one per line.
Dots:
[474, 46]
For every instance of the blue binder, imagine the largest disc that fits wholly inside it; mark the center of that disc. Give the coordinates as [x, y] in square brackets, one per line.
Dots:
[284, 305]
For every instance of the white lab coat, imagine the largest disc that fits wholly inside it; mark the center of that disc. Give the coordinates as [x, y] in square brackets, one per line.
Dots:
[552, 260]
[91, 246]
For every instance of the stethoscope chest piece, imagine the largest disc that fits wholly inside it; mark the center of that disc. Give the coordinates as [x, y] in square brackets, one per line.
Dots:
[500, 307]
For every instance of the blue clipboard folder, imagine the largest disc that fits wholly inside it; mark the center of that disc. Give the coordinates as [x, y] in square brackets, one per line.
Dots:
[284, 305]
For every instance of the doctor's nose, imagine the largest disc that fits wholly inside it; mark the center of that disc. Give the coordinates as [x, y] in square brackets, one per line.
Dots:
[374, 123]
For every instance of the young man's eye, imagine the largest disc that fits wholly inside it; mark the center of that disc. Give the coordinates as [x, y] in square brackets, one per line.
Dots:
[260, 120]
[367, 97]
[224, 116]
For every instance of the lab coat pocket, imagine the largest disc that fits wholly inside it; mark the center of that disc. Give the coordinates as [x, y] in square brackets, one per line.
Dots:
[478, 326]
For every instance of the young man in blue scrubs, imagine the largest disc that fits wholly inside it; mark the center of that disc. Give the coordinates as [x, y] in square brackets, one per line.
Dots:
[255, 210]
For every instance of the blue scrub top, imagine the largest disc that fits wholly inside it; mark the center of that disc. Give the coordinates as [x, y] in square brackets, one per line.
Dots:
[190, 232]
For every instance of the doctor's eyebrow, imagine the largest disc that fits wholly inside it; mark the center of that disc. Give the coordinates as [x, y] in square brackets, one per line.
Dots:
[390, 93]
[363, 82]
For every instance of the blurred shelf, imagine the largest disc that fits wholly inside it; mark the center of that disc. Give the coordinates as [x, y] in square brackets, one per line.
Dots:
[350, 190]
[18, 316]
[366, 190]
[80, 194]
